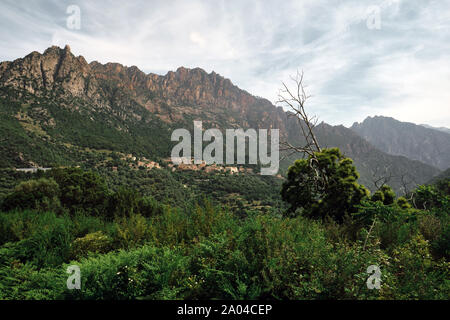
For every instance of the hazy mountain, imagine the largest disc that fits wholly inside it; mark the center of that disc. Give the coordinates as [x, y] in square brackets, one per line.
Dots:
[372, 163]
[55, 108]
[406, 139]
[443, 129]
[442, 176]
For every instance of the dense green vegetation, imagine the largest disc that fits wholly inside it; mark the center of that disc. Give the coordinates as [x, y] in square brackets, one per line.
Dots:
[179, 187]
[51, 133]
[141, 244]
[141, 233]
[325, 185]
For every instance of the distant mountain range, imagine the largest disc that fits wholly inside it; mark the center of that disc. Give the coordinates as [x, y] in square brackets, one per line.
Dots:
[443, 129]
[407, 139]
[57, 109]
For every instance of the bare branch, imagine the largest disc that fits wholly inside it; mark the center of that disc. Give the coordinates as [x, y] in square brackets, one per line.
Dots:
[296, 103]
[379, 178]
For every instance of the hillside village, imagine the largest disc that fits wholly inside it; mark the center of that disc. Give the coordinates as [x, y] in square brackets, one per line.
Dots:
[145, 163]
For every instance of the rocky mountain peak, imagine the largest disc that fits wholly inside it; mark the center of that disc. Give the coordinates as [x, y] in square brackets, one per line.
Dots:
[193, 90]
[38, 73]
[406, 139]
[122, 98]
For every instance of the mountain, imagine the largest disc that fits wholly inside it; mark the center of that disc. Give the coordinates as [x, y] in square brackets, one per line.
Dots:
[443, 129]
[406, 139]
[373, 164]
[445, 175]
[174, 97]
[58, 109]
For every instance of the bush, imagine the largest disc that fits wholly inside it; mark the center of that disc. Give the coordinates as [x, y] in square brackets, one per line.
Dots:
[146, 272]
[25, 282]
[202, 251]
[132, 231]
[418, 276]
[41, 195]
[19, 225]
[388, 195]
[403, 203]
[429, 226]
[427, 197]
[80, 190]
[123, 203]
[49, 246]
[95, 242]
[441, 245]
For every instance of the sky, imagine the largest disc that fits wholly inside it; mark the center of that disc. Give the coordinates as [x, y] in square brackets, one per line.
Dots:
[360, 58]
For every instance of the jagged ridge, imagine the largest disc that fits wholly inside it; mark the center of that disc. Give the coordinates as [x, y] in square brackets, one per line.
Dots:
[124, 98]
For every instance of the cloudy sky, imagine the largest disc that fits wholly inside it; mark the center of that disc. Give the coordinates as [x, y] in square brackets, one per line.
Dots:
[360, 58]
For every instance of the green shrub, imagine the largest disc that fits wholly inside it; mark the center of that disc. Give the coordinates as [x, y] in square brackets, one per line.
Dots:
[377, 196]
[123, 203]
[84, 223]
[48, 243]
[95, 242]
[41, 195]
[369, 210]
[51, 247]
[429, 226]
[441, 245]
[25, 282]
[403, 203]
[203, 251]
[146, 272]
[388, 195]
[19, 225]
[427, 197]
[80, 190]
[418, 276]
[132, 231]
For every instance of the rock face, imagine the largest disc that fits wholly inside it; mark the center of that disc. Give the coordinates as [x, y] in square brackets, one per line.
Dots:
[55, 68]
[406, 139]
[120, 101]
[191, 92]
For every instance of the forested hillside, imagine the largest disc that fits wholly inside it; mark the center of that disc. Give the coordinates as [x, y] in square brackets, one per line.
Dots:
[58, 110]
[139, 227]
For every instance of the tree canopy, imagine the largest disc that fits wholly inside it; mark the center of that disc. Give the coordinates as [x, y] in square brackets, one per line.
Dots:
[323, 185]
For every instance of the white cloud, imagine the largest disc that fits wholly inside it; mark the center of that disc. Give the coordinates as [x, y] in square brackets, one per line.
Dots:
[352, 71]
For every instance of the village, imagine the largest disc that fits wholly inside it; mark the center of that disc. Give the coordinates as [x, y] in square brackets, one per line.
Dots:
[145, 163]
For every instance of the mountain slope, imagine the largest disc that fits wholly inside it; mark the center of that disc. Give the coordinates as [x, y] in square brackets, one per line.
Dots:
[406, 139]
[442, 129]
[56, 109]
[445, 175]
[372, 164]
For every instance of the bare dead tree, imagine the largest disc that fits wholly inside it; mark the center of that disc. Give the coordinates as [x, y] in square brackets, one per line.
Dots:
[295, 99]
[381, 177]
[406, 181]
